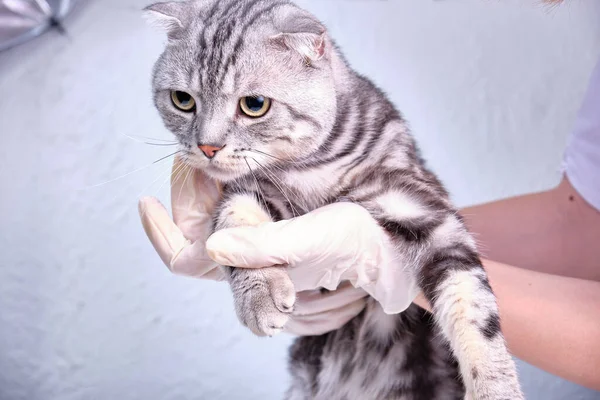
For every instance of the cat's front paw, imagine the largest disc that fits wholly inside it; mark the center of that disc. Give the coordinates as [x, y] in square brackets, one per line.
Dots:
[264, 299]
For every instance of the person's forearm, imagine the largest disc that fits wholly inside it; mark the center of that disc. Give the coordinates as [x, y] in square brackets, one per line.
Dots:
[550, 321]
[554, 231]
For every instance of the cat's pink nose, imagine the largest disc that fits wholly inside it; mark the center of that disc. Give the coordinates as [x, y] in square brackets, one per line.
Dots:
[208, 150]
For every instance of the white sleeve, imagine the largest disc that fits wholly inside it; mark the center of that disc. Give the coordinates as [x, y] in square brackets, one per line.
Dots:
[582, 156]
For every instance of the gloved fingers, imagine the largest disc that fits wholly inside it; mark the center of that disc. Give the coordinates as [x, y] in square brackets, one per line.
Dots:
[179, 254]
[193, 199]
[314, 302]
[249, 247]
[333, 231]
[327, 321]
[164, 235]
[335, 243]
[193, 261]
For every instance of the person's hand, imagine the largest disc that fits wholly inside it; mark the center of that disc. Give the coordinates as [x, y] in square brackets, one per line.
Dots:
[340, 242]
[337, 244]
[180, 242]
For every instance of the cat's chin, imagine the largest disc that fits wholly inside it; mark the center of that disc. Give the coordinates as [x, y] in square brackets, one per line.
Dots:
[223, 175]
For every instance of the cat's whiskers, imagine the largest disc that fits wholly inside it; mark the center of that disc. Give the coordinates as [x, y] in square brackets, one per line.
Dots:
[177, 173]
[300, 200]
[167, 156]
[278, 168]
[131, 172]
[160, 144]
[272, 176]
[161, 175]
[274, 157]
[151, 141]
[178, 170]
[187, 175]
[261, 194]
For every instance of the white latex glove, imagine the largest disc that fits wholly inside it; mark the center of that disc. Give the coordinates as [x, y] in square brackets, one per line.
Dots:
[335, 243]
[180, 242]
[339, 242]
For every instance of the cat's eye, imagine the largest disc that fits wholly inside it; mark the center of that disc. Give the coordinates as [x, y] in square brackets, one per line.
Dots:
[183, 101]
[255, 106]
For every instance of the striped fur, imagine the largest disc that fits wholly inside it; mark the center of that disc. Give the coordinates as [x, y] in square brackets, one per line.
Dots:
[330, 136]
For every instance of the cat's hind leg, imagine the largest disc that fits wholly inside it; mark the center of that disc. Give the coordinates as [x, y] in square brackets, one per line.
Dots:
[433, 241]
[456, 285]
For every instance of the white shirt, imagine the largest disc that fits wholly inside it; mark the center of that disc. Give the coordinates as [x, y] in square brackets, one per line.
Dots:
[582, 156]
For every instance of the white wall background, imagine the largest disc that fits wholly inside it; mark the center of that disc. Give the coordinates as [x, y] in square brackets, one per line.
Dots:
[87, 310]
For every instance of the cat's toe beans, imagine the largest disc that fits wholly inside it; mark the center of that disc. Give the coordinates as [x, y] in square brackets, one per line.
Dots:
[260, 313]
[285, 304]
[271, 319]
[274, 324]
[283, 294]
[264, 302]
[266, 321]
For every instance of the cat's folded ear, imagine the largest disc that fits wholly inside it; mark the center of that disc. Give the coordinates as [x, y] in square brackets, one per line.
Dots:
[300, 31]
[170, 16]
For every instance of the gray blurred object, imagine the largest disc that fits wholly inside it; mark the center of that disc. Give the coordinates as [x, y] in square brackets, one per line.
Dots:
[22, 20]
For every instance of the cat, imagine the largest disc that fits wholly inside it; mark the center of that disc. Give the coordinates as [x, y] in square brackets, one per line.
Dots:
[262, 100]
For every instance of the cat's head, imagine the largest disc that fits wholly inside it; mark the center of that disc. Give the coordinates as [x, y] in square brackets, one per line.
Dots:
[243, 84]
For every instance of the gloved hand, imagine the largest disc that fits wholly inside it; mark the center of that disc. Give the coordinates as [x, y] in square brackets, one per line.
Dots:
[337, 246]
[180, 242]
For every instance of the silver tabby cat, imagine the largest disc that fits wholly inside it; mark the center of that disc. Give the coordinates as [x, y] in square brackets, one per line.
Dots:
[262, 100]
